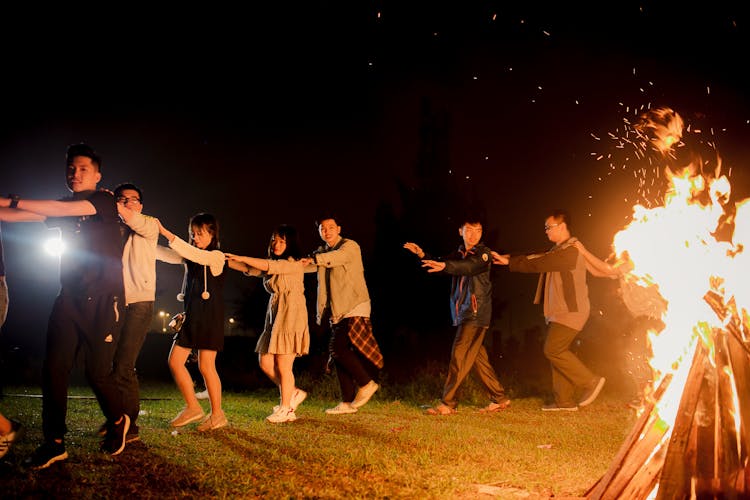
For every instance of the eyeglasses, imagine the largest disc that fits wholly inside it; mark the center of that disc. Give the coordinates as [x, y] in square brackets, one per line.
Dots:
[127, 199]
[548, 227]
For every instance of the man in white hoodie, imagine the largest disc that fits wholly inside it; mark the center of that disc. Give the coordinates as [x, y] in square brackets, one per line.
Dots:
[140, 233]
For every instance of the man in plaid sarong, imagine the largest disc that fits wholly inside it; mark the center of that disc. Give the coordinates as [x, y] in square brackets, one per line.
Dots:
[344, 301]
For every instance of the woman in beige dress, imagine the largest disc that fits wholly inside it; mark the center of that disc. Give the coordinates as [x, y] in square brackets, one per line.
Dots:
[286, 333]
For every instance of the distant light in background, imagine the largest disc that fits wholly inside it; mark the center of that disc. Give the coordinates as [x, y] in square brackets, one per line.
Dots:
[164, 315]
[54, 246]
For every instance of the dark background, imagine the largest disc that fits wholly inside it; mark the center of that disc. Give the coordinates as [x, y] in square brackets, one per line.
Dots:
[395, 115]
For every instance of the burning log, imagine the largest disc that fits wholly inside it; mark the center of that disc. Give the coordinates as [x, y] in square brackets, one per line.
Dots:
[634, 452]
[682, 454]
[704, 452]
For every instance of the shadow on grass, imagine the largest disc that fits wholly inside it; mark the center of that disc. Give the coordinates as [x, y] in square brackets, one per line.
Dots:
[312, 470]
[137, 473]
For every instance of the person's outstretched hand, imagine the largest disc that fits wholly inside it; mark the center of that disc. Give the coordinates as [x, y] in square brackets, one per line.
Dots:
[433, 266]
[414, 248]
[501, 260]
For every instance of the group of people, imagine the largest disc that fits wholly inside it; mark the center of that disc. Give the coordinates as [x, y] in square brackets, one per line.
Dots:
[562, 290]
[106, 303]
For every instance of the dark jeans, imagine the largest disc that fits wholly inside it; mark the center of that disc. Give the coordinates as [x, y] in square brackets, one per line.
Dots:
[352, 368]
[93, 325]
[468, 353]
[138, 317]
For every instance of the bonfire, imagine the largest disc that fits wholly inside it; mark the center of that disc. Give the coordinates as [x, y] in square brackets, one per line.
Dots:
[691, 439]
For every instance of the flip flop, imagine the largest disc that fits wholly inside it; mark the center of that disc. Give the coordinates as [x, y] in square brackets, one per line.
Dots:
[496, 407]
[441, 410]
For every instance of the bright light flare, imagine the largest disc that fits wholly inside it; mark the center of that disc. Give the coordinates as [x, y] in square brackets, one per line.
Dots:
[54, 247]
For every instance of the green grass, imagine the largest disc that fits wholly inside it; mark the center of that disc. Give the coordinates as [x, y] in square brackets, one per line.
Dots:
[390, 449]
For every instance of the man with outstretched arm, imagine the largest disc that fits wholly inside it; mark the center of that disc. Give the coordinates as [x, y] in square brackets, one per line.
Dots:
[344, 303]
[563, 290]
[471, 311]
[87, 313]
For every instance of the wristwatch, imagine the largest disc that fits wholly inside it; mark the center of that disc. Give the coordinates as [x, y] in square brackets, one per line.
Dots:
[14, 199]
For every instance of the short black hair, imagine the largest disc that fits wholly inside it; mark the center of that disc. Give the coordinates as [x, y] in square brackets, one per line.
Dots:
[473, 215]
[83, 150]
[127, 185]
[289, 233]
[327, 216]
[561, 215]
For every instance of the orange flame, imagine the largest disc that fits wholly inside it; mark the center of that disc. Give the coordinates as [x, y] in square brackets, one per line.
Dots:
[675, 248]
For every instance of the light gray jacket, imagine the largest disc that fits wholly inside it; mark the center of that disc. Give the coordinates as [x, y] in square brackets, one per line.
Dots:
[345, 289]
[139, 259]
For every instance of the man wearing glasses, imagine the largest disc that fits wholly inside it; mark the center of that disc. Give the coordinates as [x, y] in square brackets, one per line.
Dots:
[140, 234]
[562, 288]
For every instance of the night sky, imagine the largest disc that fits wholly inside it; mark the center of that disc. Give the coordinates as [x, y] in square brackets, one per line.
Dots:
[271, 115]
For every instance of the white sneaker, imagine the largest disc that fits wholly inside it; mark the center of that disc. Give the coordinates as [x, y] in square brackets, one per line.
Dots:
[365, 393]
[297, 397]
[282, 415]
[202, 394]
[341, 409]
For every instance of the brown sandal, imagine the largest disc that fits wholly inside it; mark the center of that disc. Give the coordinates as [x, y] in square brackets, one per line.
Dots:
[441, 409]
[496, 407]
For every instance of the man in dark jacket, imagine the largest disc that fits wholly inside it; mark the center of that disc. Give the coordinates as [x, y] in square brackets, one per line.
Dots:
[471, 310]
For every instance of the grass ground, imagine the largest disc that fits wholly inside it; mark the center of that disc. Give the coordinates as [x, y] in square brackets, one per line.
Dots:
[390, 449]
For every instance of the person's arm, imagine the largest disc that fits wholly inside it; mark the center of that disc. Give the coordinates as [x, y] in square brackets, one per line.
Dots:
[268, 266]
[16, 215]
[500, 259]
[239, 263]
[260, 264]
[555, 261]
[418, 251]
[284, 266]
[415, 249]
[53, 208]
[594, 265]
[212, 258]
[433, 266]
[169, 235]
[308, 265]
[166, 254]
[144, 225]
[475, 263]
[335, 258]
